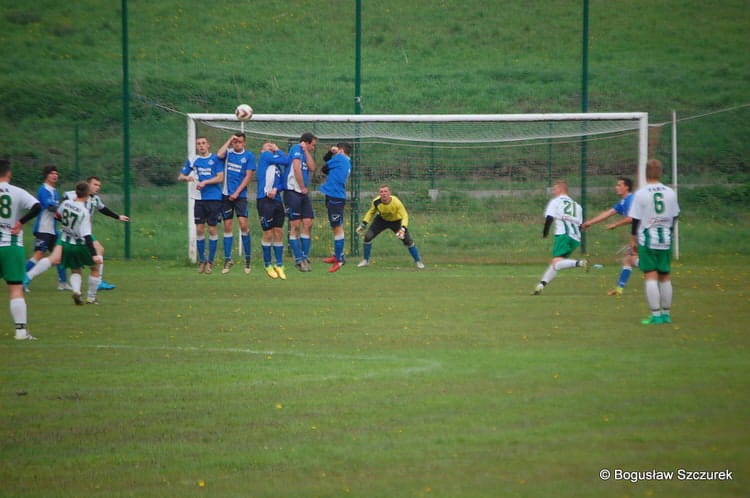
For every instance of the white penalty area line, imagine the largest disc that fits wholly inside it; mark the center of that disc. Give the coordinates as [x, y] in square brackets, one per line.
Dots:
[412, 365]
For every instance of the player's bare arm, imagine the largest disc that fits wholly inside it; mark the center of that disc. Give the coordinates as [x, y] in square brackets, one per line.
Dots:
[599, 218]
[307, 148]
[216, 179]
[297, 169]
[621, 222]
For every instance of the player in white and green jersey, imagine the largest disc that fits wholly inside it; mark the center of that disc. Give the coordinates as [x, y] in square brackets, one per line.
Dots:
[654, 211]
[567, 217]
[77, 244]
[13, 203]
[95, 203]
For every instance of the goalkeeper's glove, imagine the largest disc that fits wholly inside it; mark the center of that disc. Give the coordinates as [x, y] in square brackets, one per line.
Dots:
[361, 228]
[401, 233]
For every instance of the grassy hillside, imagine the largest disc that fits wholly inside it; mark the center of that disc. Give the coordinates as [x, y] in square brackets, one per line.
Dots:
[61, 63]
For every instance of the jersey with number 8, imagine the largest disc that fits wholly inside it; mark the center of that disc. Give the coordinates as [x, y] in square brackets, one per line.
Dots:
[14, 202]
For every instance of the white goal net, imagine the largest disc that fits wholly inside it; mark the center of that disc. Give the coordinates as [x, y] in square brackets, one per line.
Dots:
[448, 162]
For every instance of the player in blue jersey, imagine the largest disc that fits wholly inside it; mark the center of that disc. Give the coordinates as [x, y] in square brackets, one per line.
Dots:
[270, 178]
[623, 188]
[239, 165]
[206, 170]
[297, 199]
[13, 202]
[45, 227]
[337, 167]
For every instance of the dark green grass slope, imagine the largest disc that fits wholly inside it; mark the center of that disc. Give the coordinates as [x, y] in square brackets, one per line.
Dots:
[61, 64]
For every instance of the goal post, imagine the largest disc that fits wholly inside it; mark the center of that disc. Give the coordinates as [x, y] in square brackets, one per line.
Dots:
[444, 158]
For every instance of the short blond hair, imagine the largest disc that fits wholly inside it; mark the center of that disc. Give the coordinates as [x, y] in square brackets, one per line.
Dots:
[563, 184]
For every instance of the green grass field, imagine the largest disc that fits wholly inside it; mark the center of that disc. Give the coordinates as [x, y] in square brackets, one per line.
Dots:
[384, 381]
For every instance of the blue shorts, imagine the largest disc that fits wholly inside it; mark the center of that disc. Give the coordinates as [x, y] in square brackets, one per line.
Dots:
[270, 213]
[298, 206]
[208, 212]
[44, 242]
[335, 208]
[230, 208]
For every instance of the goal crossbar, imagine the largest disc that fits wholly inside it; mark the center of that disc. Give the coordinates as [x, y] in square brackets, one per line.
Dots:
[416, 118]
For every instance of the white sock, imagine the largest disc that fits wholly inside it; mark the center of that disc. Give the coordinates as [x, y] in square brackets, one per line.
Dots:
[549, 274]
[665, 289]
[565, 264]
[101, 270]
[75, 282]
[18, 310]
[41, 266]
[652, 296]
[93, 286]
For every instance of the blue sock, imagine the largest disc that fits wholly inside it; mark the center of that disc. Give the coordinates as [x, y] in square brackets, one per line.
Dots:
[278, 251]
[368, 250]
[414, 253]
[296, 250]
[246, 247]
[61, 276]
[213, 244]
[30, 264]
[266, 253]
[624, 276]
[228, 241]
[306, 244]
[338, 248]
[200, 246]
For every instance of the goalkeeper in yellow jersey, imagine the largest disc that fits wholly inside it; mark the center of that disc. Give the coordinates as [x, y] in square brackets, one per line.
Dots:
[387, 211]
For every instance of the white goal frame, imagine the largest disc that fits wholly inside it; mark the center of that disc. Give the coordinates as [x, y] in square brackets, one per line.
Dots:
[640, 120]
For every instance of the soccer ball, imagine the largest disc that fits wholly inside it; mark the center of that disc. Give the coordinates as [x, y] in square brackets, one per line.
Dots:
[243, 112]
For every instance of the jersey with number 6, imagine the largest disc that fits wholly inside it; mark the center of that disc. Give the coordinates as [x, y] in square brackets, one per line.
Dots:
[75, 222]
[14, 202]
[655, 207]
[568, 216]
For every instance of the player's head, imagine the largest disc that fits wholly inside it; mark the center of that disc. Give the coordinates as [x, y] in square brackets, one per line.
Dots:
[384, 191]
[346, 147]
[624, 185]
[238, 141]
[560, 187]
[269, 146]
[50, 173]
[95, 183]
[309, 138]
[202, 146]
[5, 169]
[82, 190]
[653, 169]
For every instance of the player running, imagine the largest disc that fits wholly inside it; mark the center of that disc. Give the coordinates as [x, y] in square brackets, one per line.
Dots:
[623, 188]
